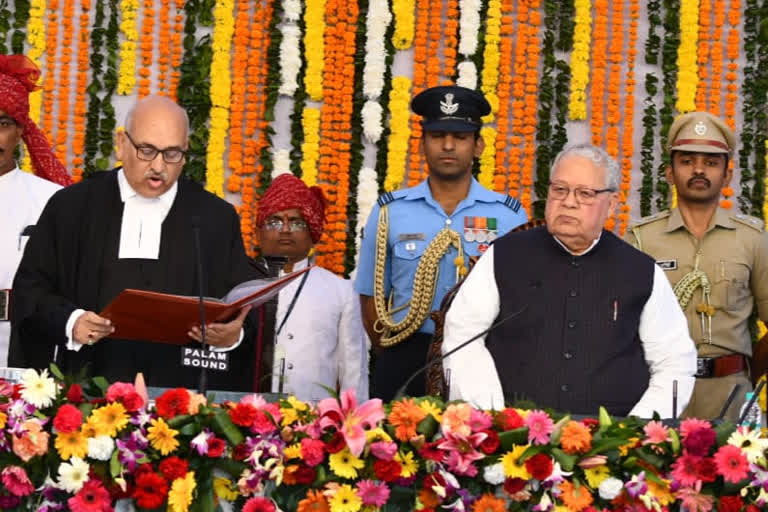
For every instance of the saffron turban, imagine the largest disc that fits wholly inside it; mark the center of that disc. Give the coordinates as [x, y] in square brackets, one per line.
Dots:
[18, 77]
[287, 192]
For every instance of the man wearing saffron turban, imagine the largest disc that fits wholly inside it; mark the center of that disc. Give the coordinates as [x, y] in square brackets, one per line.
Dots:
[318, 334]
[22, 195]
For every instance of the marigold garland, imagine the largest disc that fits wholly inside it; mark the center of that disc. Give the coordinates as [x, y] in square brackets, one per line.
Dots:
[237, 101]
[599, 67]
[402, 38]
[399, 98]
[489, 76]
[503, 92]
[450, 40]
[49, 80]
[176, 48]
[717, 52]
[731, 96]
[224, 27]
[147, 47]
[518, 102]
[420, 53]
[615, 54]
[627, 140]
[705, 13]
[80, 108]
[126, 78]
[531, 105]
[687, 74]
[310, 148]
[582, 38]
[314, 48]
[59, 141]
[488, 157]
[164, 48]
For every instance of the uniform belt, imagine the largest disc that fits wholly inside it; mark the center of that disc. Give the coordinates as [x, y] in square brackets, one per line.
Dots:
[5, 305]
[708, 367]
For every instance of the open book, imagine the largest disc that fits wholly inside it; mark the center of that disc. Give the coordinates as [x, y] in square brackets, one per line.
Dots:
[164, 318]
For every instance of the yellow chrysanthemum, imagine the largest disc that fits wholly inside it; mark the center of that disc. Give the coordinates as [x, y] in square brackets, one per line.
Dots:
[162, 437]
[345, 500]
[180, 495]
[513, 469]
[344, 464]
[109, 420]
[89, 429]
[290, 416]
[410, 466]
[596, 475]
[71, 444]
[223, 487]
[431, 408]
[377, 434]
[292, 452]
[3, 419]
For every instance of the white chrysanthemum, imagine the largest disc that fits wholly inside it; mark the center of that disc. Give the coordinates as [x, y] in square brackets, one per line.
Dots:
[750, 442]
[292, 10]
[38, 389]
[610, 488]
[100, 447]
[367, 192]
[469, 26]
[73, 474]
[290, 59]
[281, 162]
[467, 75]
[378, 20]
[494, 474]
[372, 125]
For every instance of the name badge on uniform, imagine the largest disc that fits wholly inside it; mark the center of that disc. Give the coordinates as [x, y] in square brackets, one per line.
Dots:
[411, 236]
[667, 264]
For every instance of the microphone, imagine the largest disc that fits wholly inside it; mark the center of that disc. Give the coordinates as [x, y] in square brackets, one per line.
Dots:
[401, 390]
[202, 383]
[275, 264]
[728, 402]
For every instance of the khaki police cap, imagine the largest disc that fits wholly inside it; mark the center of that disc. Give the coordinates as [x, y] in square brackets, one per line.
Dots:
[700, 132]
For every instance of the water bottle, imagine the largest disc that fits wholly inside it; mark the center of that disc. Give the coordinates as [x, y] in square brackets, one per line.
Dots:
[752, 417]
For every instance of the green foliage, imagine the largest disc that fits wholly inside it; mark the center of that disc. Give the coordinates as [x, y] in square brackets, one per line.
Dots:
[382, 146]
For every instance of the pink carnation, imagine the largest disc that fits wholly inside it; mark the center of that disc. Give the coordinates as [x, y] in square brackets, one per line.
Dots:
[126, 394]
[384, 450]
[312, 451]
[689, 425]
[16, 481]
[480, 420]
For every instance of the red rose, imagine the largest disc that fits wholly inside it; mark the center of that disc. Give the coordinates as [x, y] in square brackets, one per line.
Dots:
[387, 470]
[514, 485]
[241, 451]
[432, 452]
[752, 508]
[706, 469]
[75, 394]
[336, 443]
[539, 466]
[173, 468]
[491, 443]
[132, 402]
[243, 414]
[305, 475]
[508, 419]
[68, 418]
[173, 403]
[700, 441]
[593, 424]
[151, 490]
[216, 447]
[730, 504]
[312, 451]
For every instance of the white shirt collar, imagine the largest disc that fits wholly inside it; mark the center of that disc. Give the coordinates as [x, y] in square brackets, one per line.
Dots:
[594, 243]
[10, 175]
[127, 191]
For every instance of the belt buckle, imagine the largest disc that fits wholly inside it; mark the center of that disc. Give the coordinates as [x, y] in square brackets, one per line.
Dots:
[5, 305]
[705, 366]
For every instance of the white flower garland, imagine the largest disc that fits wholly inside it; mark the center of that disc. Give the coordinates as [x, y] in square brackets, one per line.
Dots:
[376, 25]
[281, 162]
[367, 193]
[292, 10]
[467, 75]
[290, 59]
[469, 26]
[372, 125]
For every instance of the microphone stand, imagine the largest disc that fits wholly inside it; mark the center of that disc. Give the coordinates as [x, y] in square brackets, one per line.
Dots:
[401, 390]
[202, 383]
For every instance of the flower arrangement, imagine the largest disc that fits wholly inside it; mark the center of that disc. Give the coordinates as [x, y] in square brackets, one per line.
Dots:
[86, 446]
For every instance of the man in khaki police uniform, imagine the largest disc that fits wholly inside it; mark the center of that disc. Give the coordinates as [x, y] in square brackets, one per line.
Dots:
[717, 260]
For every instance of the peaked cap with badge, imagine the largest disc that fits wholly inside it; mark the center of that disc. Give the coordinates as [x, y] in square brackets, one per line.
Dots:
[700, 132]
[451, 108]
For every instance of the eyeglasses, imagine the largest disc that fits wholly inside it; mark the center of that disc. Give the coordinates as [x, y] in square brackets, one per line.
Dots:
[7, 123]
[294, 225]
[148, 152]
[583, 195]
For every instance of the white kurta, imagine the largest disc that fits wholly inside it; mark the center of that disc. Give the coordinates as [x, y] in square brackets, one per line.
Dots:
[323, 341]
[22, 198]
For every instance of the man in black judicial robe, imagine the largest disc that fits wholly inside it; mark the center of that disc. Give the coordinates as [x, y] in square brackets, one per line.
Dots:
[76, 260]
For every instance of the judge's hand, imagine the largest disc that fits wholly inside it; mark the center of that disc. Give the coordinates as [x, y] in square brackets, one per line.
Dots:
[90, 328]
[221, 335]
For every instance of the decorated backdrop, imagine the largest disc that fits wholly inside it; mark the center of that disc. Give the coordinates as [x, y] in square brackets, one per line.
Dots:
[320, 88]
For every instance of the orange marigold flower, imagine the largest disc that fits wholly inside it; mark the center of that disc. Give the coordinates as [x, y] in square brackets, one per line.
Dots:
[575, 438]
[314, 502]
[489, 503]
[575, 499]
[405, 417]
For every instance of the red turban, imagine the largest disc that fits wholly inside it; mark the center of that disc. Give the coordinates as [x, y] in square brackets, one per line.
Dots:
[18, 77]
[287, 192]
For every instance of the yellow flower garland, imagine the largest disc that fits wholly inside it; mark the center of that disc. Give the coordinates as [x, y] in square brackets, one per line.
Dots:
[582, 38]
[126, 77]
[687, 53]
[36, 40]
[221, 83]
[310, 148]
[399, 98]
[314, 44]
[488, 158]
[492, 59]
[405, 24]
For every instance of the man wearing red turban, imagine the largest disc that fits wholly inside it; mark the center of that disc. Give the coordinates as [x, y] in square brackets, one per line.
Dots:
[318, 334]
[22, 195]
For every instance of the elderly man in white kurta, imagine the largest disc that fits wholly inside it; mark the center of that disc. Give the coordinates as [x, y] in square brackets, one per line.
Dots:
[319, 342]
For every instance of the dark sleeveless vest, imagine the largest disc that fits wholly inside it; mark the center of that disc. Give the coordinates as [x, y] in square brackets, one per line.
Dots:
[575, 346]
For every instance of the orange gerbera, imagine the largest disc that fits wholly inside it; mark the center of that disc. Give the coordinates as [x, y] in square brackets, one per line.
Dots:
[429, 498]
[314, 502]
[575, 438]
[489, 503]
[575, 499]
[405, 417]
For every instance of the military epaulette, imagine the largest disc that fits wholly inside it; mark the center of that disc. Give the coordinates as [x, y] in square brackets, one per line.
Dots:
[387, 197]
[512, 203]
[650, 218]
[750, 221]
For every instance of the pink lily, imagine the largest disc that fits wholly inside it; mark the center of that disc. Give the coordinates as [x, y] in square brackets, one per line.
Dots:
[349, 419]
[462, 451]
